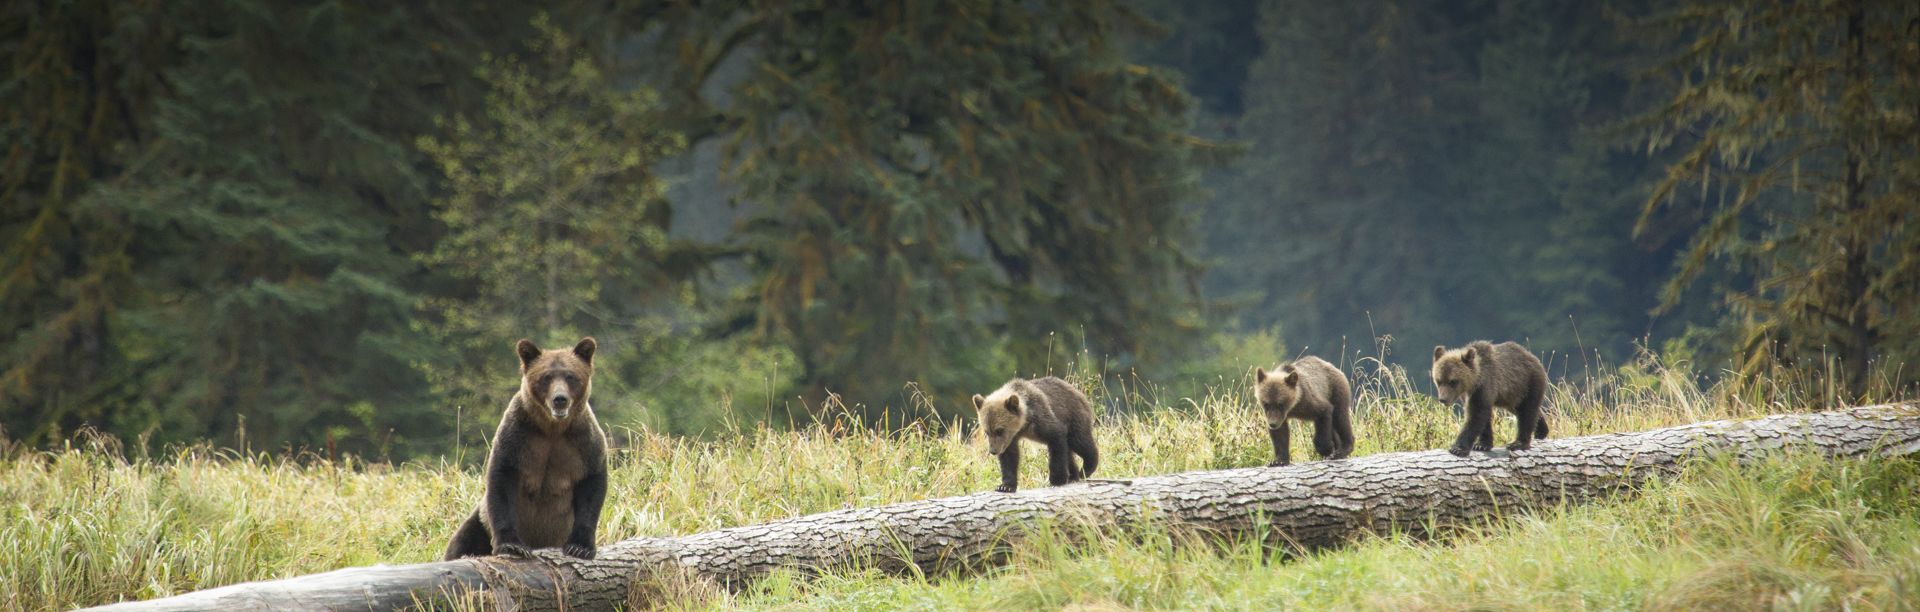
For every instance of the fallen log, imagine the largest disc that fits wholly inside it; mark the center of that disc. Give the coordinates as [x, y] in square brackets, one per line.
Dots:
[1309, 505]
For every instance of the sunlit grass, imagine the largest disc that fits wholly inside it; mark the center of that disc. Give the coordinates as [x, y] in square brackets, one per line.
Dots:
[85, 524]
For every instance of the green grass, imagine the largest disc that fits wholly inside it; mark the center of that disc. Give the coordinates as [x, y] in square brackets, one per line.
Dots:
[1799, 532]
[86, 524]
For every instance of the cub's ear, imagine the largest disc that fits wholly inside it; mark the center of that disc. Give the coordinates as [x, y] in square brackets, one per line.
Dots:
[585, 349]
[1293, 379]
[979, 402]
[1438, 351]
[1259, 375]
[528, 352]
[1469, 356]
[1013, 404]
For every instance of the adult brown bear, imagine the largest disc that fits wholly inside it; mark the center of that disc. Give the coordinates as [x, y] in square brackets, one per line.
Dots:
[547, 472]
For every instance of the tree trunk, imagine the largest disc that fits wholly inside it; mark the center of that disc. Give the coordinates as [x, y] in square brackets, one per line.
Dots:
[1309, 505]
[1856, 286]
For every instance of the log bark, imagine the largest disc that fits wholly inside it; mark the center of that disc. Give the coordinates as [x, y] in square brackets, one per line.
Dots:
[1309, 505]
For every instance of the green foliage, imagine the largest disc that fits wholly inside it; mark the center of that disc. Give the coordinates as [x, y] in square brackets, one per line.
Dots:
[555, 226]
[1435, 173]
[228, 257]
[933, 184]
[1795, 129]
[326, 220]
[64, 268]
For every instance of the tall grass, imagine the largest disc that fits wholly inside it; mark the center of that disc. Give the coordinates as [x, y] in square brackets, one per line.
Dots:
[85, 524]
[1798, 532]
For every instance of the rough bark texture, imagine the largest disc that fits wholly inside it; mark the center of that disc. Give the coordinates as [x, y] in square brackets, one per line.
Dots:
[1310, 505]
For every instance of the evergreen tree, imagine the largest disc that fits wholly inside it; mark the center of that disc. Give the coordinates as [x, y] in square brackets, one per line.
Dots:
[231, 249]
[934, 189]
[82, 78]
[1434, 173]
[556, 227]
[1347, 222]
[1794, 125]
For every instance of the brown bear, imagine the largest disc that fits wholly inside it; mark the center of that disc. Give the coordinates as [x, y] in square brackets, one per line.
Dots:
[1046, 410]
[1309, 389]
[1487, 375]
[547, 472]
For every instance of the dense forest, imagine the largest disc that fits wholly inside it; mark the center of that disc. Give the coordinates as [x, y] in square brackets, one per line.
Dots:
[322, 224]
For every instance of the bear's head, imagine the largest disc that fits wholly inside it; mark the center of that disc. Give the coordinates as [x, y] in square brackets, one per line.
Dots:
[1002, 416]
[555, 383]
[1277, 390]
[1456, 373]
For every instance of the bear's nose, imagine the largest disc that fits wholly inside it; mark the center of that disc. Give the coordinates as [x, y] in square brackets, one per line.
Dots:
[561, 401]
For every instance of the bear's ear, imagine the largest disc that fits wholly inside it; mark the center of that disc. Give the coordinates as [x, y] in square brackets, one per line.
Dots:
[1013, 404]
[1468, 357]
[1438, 351]
[585, 349]
[979, 402]
[1259, 375]
[1293, 379]
[528, 352]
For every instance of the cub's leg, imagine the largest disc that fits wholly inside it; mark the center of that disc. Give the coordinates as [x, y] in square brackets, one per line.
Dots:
[1479, 423]
[1010, 468]
[1280, 435]
[1342, 433]
[1323, 442]
[1059, 462]
[1485, 442]
[1528, 413]
[1082, 444]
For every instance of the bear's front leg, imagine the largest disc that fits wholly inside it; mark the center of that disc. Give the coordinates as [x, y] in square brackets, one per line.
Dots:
[1010, 469]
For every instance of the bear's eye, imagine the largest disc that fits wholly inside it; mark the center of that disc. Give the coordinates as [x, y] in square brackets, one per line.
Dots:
[999, 432]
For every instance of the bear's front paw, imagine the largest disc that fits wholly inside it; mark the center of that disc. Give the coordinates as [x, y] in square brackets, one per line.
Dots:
[1483, 446]
[579, 551]
[1458, 451]
[512, 550]
[1278, 463]
[1005, 488]
[1519, 446]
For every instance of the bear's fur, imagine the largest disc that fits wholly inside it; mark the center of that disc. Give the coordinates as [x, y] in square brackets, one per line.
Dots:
[1309, 389]
[1046, 410]
[1486, 376]
[547, 472]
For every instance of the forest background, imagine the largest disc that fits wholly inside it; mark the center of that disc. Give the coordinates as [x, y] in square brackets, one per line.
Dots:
[321, 225]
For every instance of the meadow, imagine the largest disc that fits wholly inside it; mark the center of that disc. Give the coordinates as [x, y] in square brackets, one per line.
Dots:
[96, 522]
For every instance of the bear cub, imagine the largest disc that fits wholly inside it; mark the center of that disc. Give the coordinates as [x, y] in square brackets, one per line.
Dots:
[1309, 389]
[1486, 376]
[547, 472]
[1045, 410]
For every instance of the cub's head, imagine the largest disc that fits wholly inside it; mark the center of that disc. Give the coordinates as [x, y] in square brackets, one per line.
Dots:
[1456, 373]
[1277, 390]
[1002, 416]
[556, 382]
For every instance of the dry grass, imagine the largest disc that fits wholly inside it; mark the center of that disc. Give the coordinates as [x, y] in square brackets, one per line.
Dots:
[85, 524]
